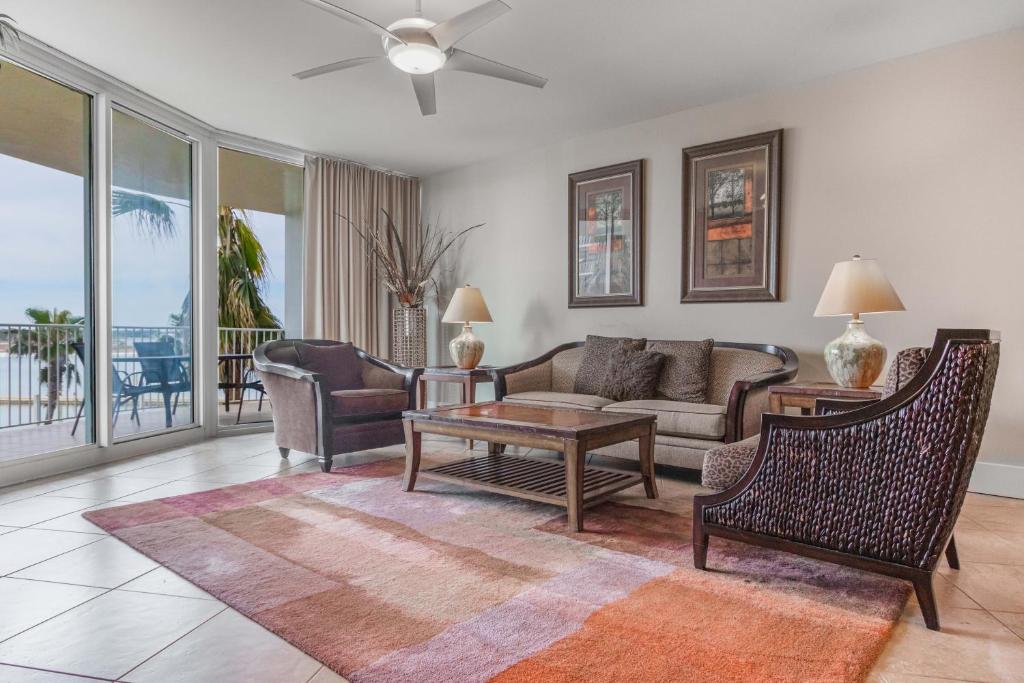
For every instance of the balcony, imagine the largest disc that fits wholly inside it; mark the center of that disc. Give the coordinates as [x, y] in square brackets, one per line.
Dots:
[40, 415]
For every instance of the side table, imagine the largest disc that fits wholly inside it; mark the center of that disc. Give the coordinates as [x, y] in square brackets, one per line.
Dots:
[452, 374]
[802, 395]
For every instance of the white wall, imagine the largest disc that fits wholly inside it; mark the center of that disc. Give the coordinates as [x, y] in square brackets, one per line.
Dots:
[918, 162]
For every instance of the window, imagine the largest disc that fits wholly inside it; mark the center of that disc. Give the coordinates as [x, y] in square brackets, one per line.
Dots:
[45, 307]
[259, 258]
[151, 278]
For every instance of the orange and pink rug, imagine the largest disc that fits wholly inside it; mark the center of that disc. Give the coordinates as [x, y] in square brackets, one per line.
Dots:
[446, 584]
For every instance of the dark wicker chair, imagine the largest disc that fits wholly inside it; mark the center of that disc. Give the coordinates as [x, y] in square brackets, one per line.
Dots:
[878, 487]
[311, 419]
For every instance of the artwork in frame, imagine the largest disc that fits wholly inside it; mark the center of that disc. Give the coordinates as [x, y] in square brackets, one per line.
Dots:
[732, 204]
[606, 227]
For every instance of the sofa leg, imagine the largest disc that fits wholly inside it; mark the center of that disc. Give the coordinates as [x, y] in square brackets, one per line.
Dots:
[926, 599]
[700, 554]
[951, 557]
[325, 463]
[284, 451]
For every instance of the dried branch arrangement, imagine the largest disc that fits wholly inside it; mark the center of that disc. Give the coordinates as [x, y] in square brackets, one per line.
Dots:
[406, 271]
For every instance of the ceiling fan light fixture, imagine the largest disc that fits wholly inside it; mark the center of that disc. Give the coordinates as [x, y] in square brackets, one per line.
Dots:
[416, 58]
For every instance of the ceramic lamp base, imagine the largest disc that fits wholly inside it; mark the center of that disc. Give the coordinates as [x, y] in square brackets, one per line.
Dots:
[467, 349]
[855, 359]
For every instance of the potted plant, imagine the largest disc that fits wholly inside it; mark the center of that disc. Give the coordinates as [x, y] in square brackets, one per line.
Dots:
[407, 271]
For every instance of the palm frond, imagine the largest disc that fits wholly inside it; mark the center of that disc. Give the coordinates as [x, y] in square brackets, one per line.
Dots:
[9, 36]
[149, 214]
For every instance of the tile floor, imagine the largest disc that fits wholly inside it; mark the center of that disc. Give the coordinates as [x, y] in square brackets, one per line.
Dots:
[78, 605]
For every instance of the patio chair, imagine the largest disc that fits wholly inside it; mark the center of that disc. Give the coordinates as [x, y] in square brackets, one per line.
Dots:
[878, 487]
[163, 372]
[125, 388]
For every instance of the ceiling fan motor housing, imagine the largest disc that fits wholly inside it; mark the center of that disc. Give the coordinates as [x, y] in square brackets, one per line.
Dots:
[420, 53]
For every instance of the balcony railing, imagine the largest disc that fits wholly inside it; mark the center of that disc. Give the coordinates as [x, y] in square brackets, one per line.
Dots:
[32, 354]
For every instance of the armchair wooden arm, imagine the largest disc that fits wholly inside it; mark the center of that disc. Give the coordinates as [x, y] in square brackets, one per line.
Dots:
[899, 466]
[745, 388]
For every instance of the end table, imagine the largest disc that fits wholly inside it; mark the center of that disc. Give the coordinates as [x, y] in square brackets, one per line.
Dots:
[802, 395]
[451, 374]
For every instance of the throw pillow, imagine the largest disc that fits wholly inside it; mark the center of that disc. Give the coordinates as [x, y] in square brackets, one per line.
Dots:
[338, 363]
[687, 370]
[596, 353]
[632, 375]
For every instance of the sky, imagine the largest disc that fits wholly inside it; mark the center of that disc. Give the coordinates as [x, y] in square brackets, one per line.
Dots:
[42, 252]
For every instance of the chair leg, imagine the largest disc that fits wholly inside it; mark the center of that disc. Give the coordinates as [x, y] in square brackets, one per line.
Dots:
[325, 463]
[74, 427]
[241, 400]
[700, 538]
[951, 557]
[926, 599]
[259, 408]
[284, 451]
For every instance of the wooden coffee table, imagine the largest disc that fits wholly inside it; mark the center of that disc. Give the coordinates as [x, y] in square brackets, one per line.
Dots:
[571, 432]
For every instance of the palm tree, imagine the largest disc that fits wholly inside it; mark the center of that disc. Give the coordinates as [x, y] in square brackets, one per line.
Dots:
[149, 214]
[242, 269]
[52, 348]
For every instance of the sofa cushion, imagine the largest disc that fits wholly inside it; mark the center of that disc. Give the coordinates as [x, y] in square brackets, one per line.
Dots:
[554, 399]
[597, 352]
[337, 363]
[354, 402]
[725, 464]
[632, 375]
[687, 369]
[677, 418]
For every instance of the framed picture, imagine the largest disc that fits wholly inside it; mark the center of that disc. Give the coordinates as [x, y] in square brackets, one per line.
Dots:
[732, 201]
[606, 228]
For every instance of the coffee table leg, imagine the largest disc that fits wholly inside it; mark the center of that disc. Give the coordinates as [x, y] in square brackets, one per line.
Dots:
[574, 461]
[647, 464]
[413, 442]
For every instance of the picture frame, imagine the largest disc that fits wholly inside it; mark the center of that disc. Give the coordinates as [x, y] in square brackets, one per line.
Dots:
[732, 211]
[606, 236]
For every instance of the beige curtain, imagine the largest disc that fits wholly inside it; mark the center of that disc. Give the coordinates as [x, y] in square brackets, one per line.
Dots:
[343, 298]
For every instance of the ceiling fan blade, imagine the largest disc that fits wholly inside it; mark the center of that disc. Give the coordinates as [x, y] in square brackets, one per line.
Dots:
[356, 19]
[423, 84]
[460, 60]
[449, 32]
[335, 66]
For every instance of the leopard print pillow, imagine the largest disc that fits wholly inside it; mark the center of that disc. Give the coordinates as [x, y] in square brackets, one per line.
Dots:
[596, 353]
[632, 375]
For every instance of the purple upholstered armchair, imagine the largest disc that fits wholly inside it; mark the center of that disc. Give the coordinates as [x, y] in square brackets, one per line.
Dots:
[330, 398]
[878, 487]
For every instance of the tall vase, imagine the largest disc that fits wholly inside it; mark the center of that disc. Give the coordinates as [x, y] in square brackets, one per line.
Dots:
[409, 336]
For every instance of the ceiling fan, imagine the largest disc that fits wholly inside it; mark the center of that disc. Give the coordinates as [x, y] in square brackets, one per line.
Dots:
[421, 47]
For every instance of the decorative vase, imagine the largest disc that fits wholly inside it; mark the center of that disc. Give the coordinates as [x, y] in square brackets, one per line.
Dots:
[467, 349]
[409, 336]
[855, 358]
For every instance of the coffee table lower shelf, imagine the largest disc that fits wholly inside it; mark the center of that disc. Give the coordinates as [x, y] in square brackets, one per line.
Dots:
[531, 478]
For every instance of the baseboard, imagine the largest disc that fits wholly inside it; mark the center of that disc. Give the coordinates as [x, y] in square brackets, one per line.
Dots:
[997, 479]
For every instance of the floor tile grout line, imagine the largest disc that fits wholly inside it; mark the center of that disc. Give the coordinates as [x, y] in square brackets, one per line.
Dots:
[191, 630]
[70, 550]
[56, 671]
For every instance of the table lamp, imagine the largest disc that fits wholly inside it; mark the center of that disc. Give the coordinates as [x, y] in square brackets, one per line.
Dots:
[858, 286]
[465, 308]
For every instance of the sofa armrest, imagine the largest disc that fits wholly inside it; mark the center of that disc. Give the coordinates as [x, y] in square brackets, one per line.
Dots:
[749, 397]
[502, 376]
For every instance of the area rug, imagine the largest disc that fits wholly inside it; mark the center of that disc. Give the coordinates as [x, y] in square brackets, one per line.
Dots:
[449, 585]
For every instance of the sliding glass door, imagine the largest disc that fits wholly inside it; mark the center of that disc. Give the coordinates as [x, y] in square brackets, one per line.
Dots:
[259, 264]
[151, 278]
[45, 306]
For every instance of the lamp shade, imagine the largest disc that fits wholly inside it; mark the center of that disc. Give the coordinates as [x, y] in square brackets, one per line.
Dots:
[467, 306]
[858, 286]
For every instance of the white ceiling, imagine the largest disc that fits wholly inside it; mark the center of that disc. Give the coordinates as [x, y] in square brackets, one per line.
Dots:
[610, 62]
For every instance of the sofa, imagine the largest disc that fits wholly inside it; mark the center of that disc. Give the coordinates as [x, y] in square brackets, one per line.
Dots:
[735, 397]
[330, 397]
